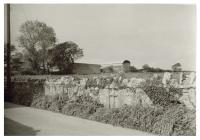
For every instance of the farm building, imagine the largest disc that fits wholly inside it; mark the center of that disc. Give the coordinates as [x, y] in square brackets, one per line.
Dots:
[80, 68]
[107, 69]
[110, 68]
[117, 67]
[84, 68]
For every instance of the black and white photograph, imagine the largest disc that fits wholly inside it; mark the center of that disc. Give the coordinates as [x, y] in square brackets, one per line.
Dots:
[91, 69]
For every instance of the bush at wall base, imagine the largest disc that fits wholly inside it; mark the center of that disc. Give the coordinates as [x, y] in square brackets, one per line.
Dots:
[174, 119]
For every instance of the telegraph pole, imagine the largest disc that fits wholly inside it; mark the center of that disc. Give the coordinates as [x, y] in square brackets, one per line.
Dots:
[8, 53]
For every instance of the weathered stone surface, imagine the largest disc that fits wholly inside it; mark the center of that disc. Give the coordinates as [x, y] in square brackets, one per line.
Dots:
[83, 82]
[166, 78]
[104, 97]
[141, 95]
[116, 90]
[125, 82]
[189, 98]
[116, 98]
[190, 80]
[134, 82]
[174, 83]
[180, 80]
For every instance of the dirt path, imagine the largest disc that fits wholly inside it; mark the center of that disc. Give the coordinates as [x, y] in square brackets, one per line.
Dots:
[20, 120]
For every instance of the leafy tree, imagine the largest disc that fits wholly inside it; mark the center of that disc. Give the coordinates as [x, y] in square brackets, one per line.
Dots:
[158, 70]
[146, 66]
[35, 38]
[16, 59]
[176, 67]
[133, 69]
[63, 55]
[17, 62]
[152, 69]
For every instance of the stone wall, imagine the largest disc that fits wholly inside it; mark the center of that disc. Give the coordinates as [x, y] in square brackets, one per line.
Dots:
[185, 81]
[115, 91]
[112, 90]
[24, 91]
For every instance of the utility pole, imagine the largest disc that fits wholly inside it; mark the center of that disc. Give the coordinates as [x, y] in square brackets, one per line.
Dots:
[8, 53]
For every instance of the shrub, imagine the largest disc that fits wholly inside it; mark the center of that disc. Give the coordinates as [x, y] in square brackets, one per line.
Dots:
[83, 106]
[51, 103]
[80, 110]
[39, 102]
[101, 115]
[173, 120]
[127, 116]
[159, 94]
[47, 103]
[23, 94]
[186, 125]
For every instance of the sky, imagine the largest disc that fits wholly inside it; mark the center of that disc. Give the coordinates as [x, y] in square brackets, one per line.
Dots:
[158, 35]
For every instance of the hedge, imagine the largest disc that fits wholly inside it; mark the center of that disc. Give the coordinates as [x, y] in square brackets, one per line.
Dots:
[174, 119]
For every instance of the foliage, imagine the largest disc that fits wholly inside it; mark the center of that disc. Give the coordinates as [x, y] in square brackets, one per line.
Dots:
[126, 61]
[17, 63]
[52, 103]
[83, 106]
[133, 69]
[35, 38]
[127, 116]
[175, 121]
[176, 67]
[186, 124]
[26, 95]
[145, 66]
[171, 121]
[64, 54]
[152, 69]
[16, 60]
[158, 70]
[76, 109]
[159, 94]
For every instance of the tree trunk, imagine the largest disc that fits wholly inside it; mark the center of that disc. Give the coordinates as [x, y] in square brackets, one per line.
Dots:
[36, 67]
[44, 69]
